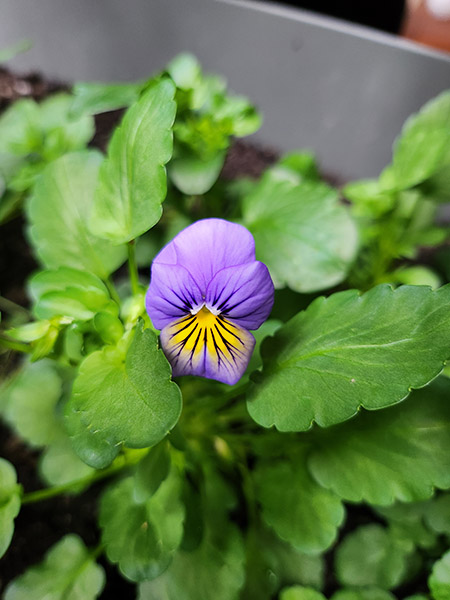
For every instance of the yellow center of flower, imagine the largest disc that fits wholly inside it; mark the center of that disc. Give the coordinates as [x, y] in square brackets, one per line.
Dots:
[202, 331]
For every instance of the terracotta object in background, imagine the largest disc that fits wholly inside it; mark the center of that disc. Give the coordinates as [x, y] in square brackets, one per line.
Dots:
[428, 22]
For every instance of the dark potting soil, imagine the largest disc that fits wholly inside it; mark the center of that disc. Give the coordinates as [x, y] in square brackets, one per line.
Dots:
[42, 524]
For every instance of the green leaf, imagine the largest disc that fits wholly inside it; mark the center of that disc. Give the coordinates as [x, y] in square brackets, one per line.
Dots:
[272, 564]
[424, 143]
[364, 593]
[132, 180]
[194, 520]
[437, 187]
[94, 98]
[45, 130]
[20, 132]
[193, 175]
[124, 398]
[406, 522]
[437, 514]
[302, 233]
[151, 471]
[142, 537]
[296, 507]
[303, 163]
[60, 465]
[109, 327]
[30, 332]
[439, 580]
[88, 443]
[185, 70]
[9, 503]
[371, 556]
[32, 399]
[351, 350]
[268, 328]
[15, 49]
[69, 292]
[351, 459]
[216, 568]
[368, 198]
[58, 212]
[68, 572]
[416, 275]
[299, 592]
[62, 132]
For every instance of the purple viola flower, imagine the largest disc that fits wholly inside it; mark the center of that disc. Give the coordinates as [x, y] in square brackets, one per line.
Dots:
[206, 291]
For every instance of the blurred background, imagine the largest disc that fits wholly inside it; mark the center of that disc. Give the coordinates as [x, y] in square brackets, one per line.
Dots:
[338, 78]
[423, 21]
[386, 15]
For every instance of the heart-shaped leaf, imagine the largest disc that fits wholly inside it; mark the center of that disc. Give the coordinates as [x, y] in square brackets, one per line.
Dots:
[122, 398]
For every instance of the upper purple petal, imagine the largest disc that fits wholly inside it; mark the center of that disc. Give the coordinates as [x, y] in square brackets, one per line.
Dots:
[208, 246]
[242, 293]
[172, 294]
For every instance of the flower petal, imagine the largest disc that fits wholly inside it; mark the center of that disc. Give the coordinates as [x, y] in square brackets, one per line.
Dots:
[207, 345]
[243, 293]
[206, 247]
[172, 293]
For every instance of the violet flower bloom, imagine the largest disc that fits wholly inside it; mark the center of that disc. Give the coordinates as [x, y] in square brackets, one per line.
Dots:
[206, 291]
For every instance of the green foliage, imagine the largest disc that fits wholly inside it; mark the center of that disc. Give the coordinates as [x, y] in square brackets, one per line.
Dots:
[299, 592]
[423, 145]
[216, 568]
[351, 459]
[71, 293]
[365, 593]
[122, 396]
[132, 179]
[206, 119]
[58, 210]
[315, 238]
[371, 556]
[32, 397]
[218, 506]
[300, 511]
[93, 98]
[151, 472]
[9, 503]
[272, 564]
[31, 136]
[348, 351]
[439, 580]
[397, 213]
[142, 536]
[437, 514]
[407, 521]
[33, 407]
[68, 572]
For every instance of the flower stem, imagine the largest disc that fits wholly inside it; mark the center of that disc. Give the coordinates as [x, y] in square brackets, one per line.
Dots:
[112, 290]
[132, 267]
[120, 463]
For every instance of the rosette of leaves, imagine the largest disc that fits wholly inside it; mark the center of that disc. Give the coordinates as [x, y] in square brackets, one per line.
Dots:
[216, 491]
